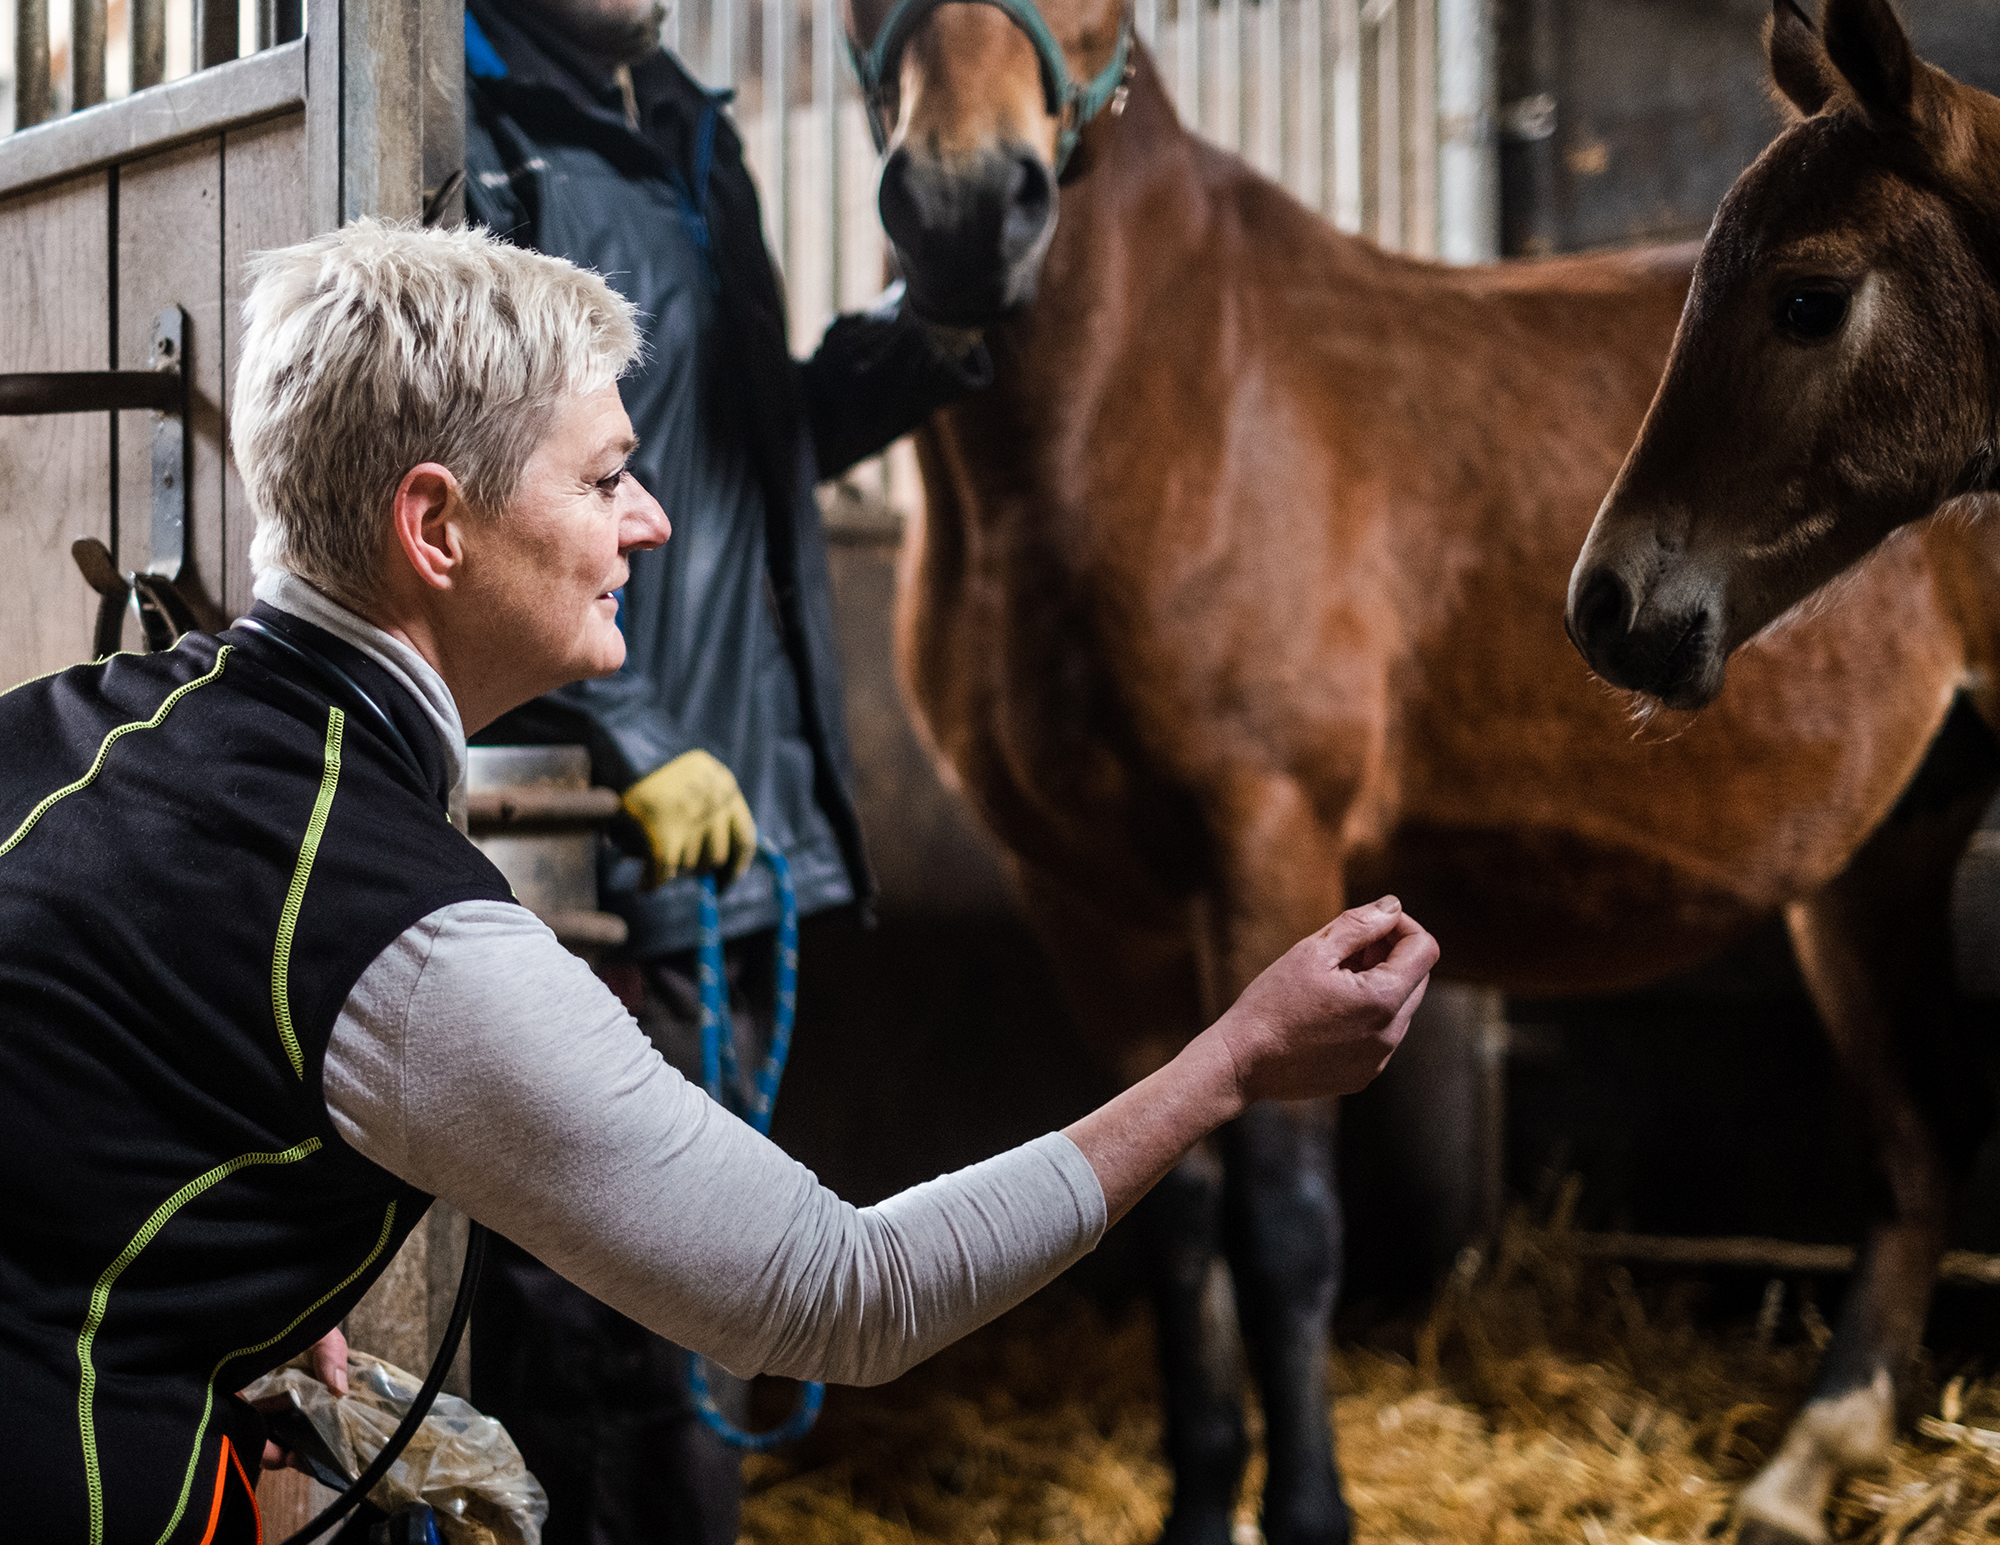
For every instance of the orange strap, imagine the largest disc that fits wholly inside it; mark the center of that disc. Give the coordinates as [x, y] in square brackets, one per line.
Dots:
[225, 1463]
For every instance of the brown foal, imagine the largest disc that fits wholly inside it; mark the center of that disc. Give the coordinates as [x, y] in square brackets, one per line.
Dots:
[1240, 594]
[1835, 381]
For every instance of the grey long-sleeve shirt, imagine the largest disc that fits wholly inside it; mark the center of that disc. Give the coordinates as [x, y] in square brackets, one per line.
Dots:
[479, 1060]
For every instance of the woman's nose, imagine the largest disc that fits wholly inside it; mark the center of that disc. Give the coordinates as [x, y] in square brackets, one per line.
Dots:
[643, 523]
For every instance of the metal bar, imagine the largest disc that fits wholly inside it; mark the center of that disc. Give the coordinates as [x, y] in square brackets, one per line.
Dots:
[1388, 122]
[1749, 1253]
[539, 806]
[1314, 186]
[1469, 149]
[86, 53]
[86, 391]
[173, 450]
[149, 43]
[827, 32]
[196, 107]
[216, 39]
[1187, 63]
[1420, 130]
[1229, 66]
[1271, 74]
[1147, 20]
[1345, 183]
[777, 121]
[33, 98]
[722, 44]
[323, 110]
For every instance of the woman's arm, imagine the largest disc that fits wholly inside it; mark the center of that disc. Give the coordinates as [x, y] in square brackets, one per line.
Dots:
[480, 1061]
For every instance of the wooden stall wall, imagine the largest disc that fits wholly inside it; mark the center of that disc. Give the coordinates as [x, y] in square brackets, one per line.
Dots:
[91, 262]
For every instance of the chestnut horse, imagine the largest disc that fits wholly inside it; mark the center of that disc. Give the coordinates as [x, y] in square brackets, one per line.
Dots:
[1239, 594]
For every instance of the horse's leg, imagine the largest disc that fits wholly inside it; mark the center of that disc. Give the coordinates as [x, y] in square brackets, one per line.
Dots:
[1282, 1232]
[1876, 952]
[1136, 999]
[1280, 865]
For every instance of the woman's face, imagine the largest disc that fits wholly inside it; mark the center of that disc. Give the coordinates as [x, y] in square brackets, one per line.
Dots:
[548, 565]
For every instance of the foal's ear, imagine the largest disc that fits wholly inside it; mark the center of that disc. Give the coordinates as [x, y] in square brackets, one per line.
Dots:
[1799, 67]
[1869, 47]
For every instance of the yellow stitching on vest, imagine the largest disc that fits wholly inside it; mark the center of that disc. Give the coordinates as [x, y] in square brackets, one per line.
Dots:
[104, 750]
[208, 1395]
[288, 920]
[100, 1297]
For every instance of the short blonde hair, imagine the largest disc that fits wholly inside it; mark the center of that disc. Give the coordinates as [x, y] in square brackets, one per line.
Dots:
[378, 347]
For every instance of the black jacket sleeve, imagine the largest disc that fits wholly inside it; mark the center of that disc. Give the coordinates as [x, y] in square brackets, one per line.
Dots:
[876, 376]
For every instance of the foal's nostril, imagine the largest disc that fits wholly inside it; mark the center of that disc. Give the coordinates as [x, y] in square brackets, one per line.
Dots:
[1602, 607]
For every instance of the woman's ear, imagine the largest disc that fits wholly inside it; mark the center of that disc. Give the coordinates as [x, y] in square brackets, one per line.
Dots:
[1800, 69]
[428, 512]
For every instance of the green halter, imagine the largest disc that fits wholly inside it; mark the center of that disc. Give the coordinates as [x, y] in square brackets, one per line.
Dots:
[1070, 102]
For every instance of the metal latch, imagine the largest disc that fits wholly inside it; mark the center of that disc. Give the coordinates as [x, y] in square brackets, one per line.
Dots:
[163, 614]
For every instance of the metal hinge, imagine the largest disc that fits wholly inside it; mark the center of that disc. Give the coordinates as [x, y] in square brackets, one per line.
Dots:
[163, 614]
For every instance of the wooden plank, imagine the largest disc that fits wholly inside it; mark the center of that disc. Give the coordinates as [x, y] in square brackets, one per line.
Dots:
[194, 107]
[170, 252]
[1779, 1256]
[263, 206]
[55, 470]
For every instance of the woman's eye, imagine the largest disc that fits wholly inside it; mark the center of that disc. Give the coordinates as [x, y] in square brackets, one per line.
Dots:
[1812, 312]
[610, 484]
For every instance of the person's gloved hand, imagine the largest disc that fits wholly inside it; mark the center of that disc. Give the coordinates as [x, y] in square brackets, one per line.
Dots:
[695, 818]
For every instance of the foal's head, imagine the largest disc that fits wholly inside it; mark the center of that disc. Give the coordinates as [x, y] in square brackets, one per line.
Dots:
[979, 116]
[1837, 369]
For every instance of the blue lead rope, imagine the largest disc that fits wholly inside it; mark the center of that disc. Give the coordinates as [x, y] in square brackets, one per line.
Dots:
[722, 1079]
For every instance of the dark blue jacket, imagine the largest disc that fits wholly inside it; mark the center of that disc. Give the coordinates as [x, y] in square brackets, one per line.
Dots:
[729, 628]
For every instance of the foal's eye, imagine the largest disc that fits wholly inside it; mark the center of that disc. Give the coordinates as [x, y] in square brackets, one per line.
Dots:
[1812, 311]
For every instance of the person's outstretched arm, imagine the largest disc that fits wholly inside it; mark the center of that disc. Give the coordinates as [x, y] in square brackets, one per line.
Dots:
[480, 1061]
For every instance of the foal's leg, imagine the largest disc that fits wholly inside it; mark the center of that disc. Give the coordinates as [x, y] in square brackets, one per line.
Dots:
[1282, 1232]
[1875, 950]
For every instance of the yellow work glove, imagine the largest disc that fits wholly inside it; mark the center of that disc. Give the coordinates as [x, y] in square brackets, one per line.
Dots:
[696, 818]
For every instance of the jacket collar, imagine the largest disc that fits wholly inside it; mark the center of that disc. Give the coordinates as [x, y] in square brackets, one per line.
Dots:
[419, 692]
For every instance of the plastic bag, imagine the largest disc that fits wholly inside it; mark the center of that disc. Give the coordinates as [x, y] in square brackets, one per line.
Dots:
[460, 1462]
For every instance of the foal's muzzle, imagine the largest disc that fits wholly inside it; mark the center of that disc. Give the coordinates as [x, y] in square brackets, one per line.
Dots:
[1672, 653]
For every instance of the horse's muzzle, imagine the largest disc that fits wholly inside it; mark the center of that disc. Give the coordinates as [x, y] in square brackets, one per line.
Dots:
[969, 235]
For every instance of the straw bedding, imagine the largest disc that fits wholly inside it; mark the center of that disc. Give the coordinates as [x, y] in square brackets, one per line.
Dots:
[1544, 1398]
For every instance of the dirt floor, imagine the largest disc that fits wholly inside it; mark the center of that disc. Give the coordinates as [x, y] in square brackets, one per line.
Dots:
[1542, 1399]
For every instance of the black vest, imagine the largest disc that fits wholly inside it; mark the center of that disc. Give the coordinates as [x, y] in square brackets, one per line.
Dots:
[200, 853]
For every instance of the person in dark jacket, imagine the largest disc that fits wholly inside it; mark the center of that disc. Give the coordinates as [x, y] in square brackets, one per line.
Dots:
[587, 140]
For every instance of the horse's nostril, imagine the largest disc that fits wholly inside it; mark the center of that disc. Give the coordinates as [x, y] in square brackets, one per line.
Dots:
[1602, 607]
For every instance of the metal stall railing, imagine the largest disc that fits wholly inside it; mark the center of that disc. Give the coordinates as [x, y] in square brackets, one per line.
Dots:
[58, 57]
[1377, 113]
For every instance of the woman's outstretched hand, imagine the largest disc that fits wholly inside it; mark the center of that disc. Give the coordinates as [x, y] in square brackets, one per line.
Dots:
[1325, 1016]
[1323, 1019]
